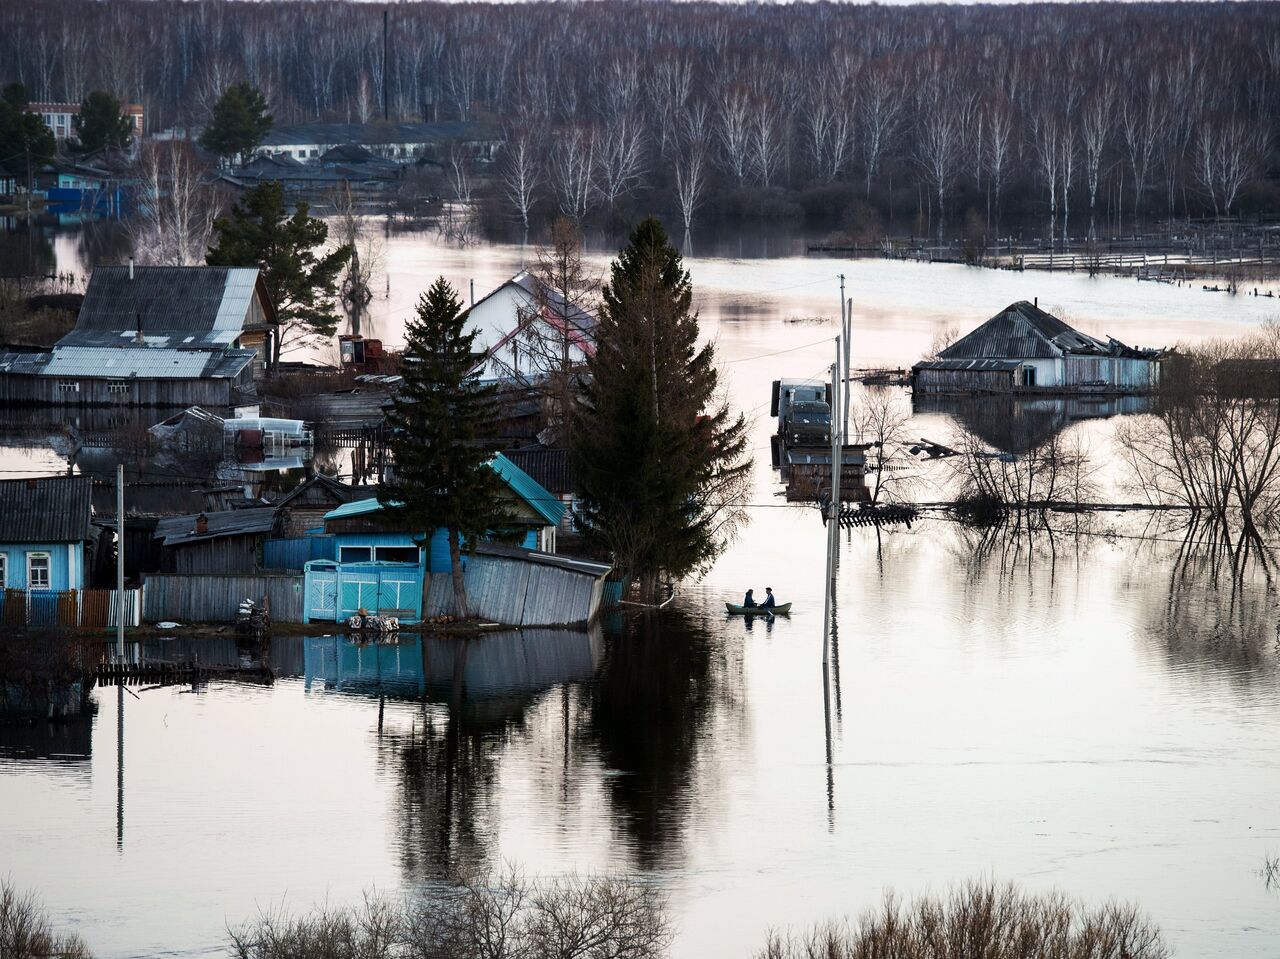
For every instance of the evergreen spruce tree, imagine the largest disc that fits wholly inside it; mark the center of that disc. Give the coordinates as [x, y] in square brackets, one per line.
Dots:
[100, 126]
[26, 143]
[240, 120]
[438, 426]
[302, 286]
[660, 461]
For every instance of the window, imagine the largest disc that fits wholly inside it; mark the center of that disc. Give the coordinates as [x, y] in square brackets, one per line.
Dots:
[117, 386]
[68, 386]
[1028, 376]
[397, 554]
[4, 582]
[37, 571]
[354, 554]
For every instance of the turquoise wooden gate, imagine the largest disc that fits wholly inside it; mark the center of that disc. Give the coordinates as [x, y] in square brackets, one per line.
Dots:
[336, 591]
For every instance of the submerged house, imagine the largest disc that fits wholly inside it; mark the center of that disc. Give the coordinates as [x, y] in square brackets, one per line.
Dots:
[46, 533]
[1023, 349]
[154, 336]
[387, 570]
[524, 329]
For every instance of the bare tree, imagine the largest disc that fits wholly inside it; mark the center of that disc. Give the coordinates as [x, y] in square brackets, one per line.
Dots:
[733, 117]
[176, 205]
[880, 104]
[521, 173]
[691, 162]
[998, 150]
[939, 140]
[1227, 152]
[573, 166]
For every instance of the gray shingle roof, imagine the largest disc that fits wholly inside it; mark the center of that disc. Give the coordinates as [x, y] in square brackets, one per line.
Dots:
[1025, 332]
[176, 306]
[47, 510]
[179, 530]
[144, 363]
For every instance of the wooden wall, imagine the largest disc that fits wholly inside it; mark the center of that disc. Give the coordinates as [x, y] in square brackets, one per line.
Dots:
[19, 390]
[215, 599]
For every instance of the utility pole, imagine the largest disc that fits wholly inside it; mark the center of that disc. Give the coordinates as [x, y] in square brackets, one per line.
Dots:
[837, 444]
[833, 513]
[846, 329]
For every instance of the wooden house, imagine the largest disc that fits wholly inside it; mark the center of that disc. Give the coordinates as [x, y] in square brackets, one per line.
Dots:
[1023, 349]
[381, 567]
[226, 541]
[309, 501]
[46, 533]
[154, 336]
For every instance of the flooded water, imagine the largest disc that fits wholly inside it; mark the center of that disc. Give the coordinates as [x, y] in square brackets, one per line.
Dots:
[1091, 711]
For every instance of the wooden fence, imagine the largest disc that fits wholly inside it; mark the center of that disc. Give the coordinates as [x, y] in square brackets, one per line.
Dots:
[68, 607]
[214, 598]
[520, 593]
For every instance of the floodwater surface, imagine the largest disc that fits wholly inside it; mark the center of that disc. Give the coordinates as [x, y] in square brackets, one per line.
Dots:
[1092, 711]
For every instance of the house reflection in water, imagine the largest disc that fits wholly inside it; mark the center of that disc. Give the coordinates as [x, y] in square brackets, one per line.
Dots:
[494, 665]
[1016, 424]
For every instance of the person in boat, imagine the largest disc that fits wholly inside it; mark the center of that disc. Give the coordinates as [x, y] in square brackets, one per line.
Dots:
[749, 602]
[769, 601]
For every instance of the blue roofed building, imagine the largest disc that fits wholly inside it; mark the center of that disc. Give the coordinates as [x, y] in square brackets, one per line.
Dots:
[46, 529]
[385, 570]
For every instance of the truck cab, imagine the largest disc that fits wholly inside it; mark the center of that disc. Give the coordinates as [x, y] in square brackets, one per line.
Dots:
[807, 423]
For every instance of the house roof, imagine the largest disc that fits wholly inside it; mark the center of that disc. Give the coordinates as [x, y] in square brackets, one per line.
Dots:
[118, 362]
[586, 566]
[1022, 331]
[176, 307]
[181, 530]
[550, 468]
[327, 486]
[539, 499]
[527, 488]
[980, 366]
[55, 509]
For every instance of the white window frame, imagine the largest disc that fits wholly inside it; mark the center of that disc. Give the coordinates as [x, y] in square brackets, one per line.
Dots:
[342, 549]
[4, 570]
[31, 570]
[377, 554]
[68, 386]
[118, 386]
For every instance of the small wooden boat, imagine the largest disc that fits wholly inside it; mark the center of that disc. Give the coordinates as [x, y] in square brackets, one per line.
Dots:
[783, 609]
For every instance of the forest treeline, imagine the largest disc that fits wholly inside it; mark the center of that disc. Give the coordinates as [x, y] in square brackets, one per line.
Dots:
[1077, 115]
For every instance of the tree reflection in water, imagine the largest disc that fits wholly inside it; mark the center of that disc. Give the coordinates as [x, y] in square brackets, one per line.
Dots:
[669, 690]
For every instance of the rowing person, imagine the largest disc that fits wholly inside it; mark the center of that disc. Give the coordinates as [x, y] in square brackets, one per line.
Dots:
[750, 601]
[769, 601]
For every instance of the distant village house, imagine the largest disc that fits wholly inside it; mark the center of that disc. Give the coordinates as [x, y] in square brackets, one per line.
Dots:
[1023, 349]
[517, 326]
[403, 142]
[60, 119]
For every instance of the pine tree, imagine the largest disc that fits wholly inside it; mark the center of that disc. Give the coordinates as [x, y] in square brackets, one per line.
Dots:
[660, 461]
[26, 143]
[301, 285]
[240, 121]
[440, 417]
[100, 126]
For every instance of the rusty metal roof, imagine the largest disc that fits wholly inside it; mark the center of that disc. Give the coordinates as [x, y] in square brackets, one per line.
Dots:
[179, 530]
[53, 509]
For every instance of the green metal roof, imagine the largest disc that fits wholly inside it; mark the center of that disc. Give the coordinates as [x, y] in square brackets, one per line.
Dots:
[546, 504]
[359, 507]
[529, 489]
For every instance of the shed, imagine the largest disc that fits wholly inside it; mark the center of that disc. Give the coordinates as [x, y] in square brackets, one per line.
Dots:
[224, 541]
[310, 500]
[1025, 349]
[45, 525]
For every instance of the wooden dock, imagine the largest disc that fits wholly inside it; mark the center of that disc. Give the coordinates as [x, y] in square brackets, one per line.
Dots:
[173, 674]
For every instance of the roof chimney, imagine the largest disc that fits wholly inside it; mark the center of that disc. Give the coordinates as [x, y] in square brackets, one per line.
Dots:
[202, 524]
[131, 268]
[1036, 303]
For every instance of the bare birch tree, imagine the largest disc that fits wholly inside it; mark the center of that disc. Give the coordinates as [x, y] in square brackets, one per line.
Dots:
[175, 207]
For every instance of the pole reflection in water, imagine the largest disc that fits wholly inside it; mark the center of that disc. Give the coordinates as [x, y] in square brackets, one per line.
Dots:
[120, 765]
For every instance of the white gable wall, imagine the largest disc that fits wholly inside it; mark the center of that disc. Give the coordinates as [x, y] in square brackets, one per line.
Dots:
[494, 318]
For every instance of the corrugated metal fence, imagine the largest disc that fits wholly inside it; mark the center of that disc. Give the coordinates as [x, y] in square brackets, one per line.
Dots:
[296, 552]
[211, 598]
[68, 607]
[519, 593]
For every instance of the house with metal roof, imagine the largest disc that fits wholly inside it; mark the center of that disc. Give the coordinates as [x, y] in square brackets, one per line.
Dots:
[46, 530]
[524, 327]
[154, 336]
[381, 567]
[1023, 349]
[403, 142]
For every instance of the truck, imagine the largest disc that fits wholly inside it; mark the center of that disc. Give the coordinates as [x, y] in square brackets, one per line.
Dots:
[803, 409]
